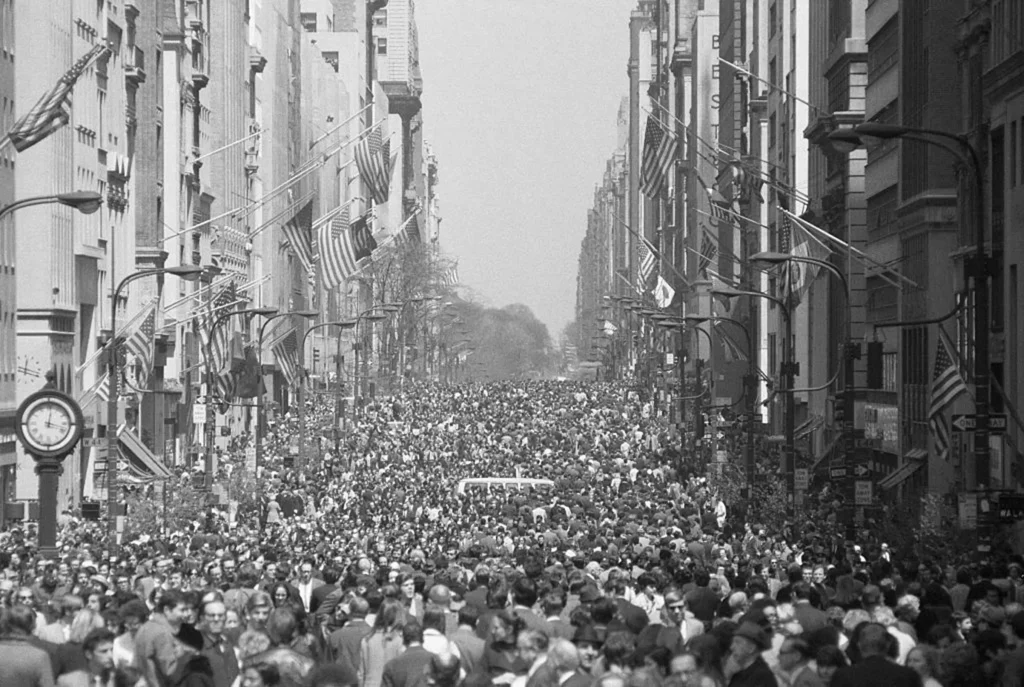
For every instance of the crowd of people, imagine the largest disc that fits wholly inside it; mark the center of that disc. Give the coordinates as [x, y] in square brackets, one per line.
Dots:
[366, 565]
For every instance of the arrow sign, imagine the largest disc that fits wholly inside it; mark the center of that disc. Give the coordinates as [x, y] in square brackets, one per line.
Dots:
[968, 423]
[861, 470]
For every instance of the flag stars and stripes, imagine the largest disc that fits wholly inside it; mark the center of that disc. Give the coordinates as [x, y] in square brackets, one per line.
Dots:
[658, 156]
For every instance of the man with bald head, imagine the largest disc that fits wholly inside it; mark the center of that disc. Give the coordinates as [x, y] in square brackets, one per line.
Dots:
[440, 597]
[877, 667]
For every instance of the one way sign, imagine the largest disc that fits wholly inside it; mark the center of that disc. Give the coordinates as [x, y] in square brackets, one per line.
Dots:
[967, 423]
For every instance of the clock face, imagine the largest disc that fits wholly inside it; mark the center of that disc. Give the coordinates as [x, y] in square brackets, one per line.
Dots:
[49, 423]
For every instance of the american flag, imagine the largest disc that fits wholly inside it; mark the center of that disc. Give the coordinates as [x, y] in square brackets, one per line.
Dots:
[218, 347]
[140, 344]
[374, 161]
[342, 247]
[50, 111]
[99, 391]
[409, 232]
[297, 232]
[733, 349]
[646, 257]
[947, 384]
[708, 251]
[286, 352]
[451, 277]
[657, 158]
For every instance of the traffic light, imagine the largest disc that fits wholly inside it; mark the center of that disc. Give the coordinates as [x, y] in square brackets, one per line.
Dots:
[875, 376]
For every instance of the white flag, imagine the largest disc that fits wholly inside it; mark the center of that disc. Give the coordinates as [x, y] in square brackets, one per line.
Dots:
[663, 293]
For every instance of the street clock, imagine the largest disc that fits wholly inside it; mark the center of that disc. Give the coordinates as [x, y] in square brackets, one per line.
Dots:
[49, 423]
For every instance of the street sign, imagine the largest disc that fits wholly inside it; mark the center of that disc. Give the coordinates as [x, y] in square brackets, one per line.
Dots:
[1011, 507]
[250, 459]
[837, 473]
[967, 423]
[801, 479]
[93, 442]
[862, 492]
[861, 471]
[199, 414]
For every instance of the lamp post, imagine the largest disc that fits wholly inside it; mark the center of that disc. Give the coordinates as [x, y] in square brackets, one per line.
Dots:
[307, 314]
[86, 202]
[787, 374]
[210, 380]
[189, 273]
[374, 313]
[978, 269]
[341, 324]
[749, 385]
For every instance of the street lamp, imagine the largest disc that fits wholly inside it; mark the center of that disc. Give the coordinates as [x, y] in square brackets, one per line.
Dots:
[307, 314]
[979, 269]
[341, 324]
[186, 272]
[210, 417]
[749, 384]
[374, 313]
[86, 202]
[787, 376]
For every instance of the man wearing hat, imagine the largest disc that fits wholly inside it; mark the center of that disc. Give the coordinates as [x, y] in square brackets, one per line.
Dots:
[745, 664]
[588, 643]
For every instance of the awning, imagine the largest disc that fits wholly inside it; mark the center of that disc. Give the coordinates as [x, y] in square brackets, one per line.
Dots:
[140, 459]
[827, 453]
[902, 474]
[915, 454]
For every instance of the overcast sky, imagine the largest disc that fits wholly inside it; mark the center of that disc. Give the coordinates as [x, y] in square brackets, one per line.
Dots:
[519, 101]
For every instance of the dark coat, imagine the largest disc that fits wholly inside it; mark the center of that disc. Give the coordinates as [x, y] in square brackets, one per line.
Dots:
[407, 669]
[875, 671]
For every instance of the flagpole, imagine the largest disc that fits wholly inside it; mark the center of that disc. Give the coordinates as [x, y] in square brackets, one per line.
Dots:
[201, 224]
[231, 145]
[333, 213]
[653, 250]
[357, 114]
[734, 156]
[289, 209]
[818, 231]
[771, 85]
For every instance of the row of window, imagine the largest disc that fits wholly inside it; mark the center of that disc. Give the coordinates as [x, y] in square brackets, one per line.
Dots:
[1015, 154]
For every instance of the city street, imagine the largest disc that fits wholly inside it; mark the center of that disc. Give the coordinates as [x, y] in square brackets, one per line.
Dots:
[519, 343]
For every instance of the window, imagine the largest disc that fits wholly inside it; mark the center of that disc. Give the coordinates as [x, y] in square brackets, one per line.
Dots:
[883, 49]
[382, 46]
[773, 71]
[1013, 154]
[380, 18]
[308, 20]
[772, 19]
[771, 130]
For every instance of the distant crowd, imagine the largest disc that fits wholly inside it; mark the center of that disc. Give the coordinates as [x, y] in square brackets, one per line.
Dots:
[623, 567]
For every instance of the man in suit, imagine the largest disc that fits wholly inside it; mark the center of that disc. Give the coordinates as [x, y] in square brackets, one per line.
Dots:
[675, 628]
[407, 669]
[216, 646]
[553, 604]
[344, 643]
[320, 593]
[98, 647]
[306, 583]
[471, 647]
[477, 596]
[632, 616]
[875, 668]
[795, 667]
[809, 617]
[701, 601]
[523, 597]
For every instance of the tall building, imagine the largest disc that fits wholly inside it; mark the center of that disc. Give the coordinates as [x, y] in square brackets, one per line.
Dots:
[990, 51]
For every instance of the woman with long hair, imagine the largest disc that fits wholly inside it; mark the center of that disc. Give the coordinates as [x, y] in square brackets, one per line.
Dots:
[383, 643]
[500, 655]
[412, 601]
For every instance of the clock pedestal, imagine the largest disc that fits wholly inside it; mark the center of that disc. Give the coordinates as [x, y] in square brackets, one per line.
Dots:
[49, 471]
